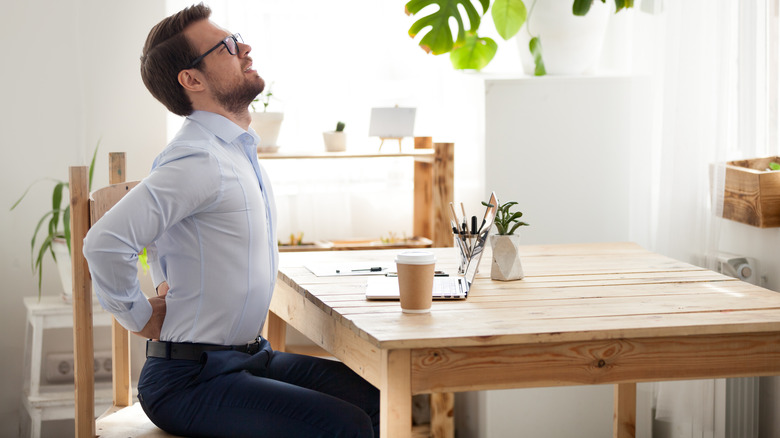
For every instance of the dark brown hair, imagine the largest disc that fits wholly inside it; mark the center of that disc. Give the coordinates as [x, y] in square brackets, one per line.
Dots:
[167, 52]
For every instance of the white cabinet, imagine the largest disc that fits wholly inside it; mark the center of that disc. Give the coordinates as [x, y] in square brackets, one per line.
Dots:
[42, 401]
[572, 151]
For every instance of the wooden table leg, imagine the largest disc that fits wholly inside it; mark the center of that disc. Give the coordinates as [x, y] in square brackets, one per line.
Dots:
[624, 420]
[442, 415]
[395, 404]
[275, 331]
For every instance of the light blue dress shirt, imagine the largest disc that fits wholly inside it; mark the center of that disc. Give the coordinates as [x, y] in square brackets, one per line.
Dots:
[206, 215]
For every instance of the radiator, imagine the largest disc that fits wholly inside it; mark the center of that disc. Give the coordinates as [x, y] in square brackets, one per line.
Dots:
[742, 407]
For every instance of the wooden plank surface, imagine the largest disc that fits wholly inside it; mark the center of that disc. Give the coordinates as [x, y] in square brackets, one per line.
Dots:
[570, 293]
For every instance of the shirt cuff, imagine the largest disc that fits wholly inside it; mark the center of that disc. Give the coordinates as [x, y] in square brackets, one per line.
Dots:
[135, 318]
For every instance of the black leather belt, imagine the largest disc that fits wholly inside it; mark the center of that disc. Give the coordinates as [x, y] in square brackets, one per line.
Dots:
[192, 351]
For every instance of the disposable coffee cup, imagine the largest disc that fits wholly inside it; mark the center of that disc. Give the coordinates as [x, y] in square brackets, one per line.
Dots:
[415, 280]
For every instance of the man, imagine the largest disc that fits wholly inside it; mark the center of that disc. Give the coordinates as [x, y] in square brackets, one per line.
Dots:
[206, 216]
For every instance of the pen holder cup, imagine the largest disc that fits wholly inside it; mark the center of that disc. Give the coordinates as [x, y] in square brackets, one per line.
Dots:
[463, 252]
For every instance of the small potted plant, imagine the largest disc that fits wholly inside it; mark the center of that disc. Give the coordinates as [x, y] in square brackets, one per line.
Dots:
[335, 141]
[56, 241]
[266, 123]
[506, 256]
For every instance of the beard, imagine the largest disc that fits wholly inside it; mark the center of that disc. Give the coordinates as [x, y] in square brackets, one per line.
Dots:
[236, 97]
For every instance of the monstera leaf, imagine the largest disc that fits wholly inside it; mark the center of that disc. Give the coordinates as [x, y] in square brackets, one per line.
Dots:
[439, 39]
[469, 51]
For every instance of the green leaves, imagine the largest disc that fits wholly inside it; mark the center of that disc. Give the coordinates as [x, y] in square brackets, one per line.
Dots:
[475, 54]
[506, 221]
[774, 166]
[535, 46]
[58, 225]
[439, 38]
[581, 7]
[508, 16]
[468, 51]
[623, 4]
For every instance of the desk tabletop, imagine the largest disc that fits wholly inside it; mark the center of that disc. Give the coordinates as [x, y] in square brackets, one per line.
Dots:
[578, 292]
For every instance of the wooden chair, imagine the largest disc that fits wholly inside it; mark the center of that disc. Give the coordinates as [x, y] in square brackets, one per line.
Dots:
[124, 418]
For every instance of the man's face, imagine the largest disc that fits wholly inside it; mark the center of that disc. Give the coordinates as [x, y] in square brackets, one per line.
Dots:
[229, 78]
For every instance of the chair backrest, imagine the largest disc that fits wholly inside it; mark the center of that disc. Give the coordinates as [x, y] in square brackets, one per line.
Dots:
[85, 210]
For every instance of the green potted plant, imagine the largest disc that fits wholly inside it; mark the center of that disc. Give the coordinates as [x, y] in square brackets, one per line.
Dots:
[506, 253]
[470, 51]
[266, 123]
[56, 241]
[335, 141]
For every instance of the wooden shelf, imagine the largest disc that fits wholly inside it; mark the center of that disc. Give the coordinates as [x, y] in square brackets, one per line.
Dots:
[434, 175]
[424, 155]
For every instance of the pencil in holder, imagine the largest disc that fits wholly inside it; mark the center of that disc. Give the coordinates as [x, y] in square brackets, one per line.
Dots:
[462, 246]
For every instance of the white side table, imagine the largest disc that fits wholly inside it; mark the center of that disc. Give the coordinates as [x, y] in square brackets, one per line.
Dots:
[52, 402]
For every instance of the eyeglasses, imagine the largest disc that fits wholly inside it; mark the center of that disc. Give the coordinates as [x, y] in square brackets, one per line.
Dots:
[231, 44]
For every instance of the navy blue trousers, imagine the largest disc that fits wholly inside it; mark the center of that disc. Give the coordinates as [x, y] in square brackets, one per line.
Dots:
[268, 394]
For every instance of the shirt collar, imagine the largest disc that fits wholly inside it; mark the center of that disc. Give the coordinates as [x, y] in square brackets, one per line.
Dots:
[222, 127]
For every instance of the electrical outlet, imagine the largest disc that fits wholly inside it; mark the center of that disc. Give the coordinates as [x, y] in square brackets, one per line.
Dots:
[737, 266]
[59, 367]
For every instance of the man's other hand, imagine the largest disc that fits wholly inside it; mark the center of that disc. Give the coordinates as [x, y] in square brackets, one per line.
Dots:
[153, 327]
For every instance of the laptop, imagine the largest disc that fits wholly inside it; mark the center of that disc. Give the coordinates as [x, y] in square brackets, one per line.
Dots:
[444, 288]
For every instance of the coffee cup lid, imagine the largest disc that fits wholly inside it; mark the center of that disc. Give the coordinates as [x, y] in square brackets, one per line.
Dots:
[415, 257]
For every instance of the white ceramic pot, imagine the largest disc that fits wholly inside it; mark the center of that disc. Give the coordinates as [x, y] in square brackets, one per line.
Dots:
[571, 45]
[267, 125]
[506, 258]
[64, 266]
[335, 141]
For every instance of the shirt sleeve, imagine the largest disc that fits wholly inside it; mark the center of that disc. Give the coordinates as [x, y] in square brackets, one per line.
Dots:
[185, 180]
[155, 268]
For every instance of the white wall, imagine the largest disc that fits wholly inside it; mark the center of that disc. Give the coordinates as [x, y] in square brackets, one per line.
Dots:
[70, 76]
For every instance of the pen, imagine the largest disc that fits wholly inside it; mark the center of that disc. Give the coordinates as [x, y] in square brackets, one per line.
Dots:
[371, 269]
[465, 218]
[435, 274]
[473, 225]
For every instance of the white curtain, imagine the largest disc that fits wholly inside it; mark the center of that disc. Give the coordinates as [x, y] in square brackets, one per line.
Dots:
[708, 67]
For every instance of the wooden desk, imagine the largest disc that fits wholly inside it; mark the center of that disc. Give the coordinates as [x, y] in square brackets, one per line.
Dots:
[584, 314]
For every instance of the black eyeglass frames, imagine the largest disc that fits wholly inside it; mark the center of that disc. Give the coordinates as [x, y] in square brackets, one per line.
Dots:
[231, 44]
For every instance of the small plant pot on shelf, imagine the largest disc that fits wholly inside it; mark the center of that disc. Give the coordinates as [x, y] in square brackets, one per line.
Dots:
[506, 263]
[60, 249]
[335, 141]
[752, 192]
[267, 125]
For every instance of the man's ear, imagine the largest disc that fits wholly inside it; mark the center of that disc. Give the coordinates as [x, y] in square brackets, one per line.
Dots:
[191, 80]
